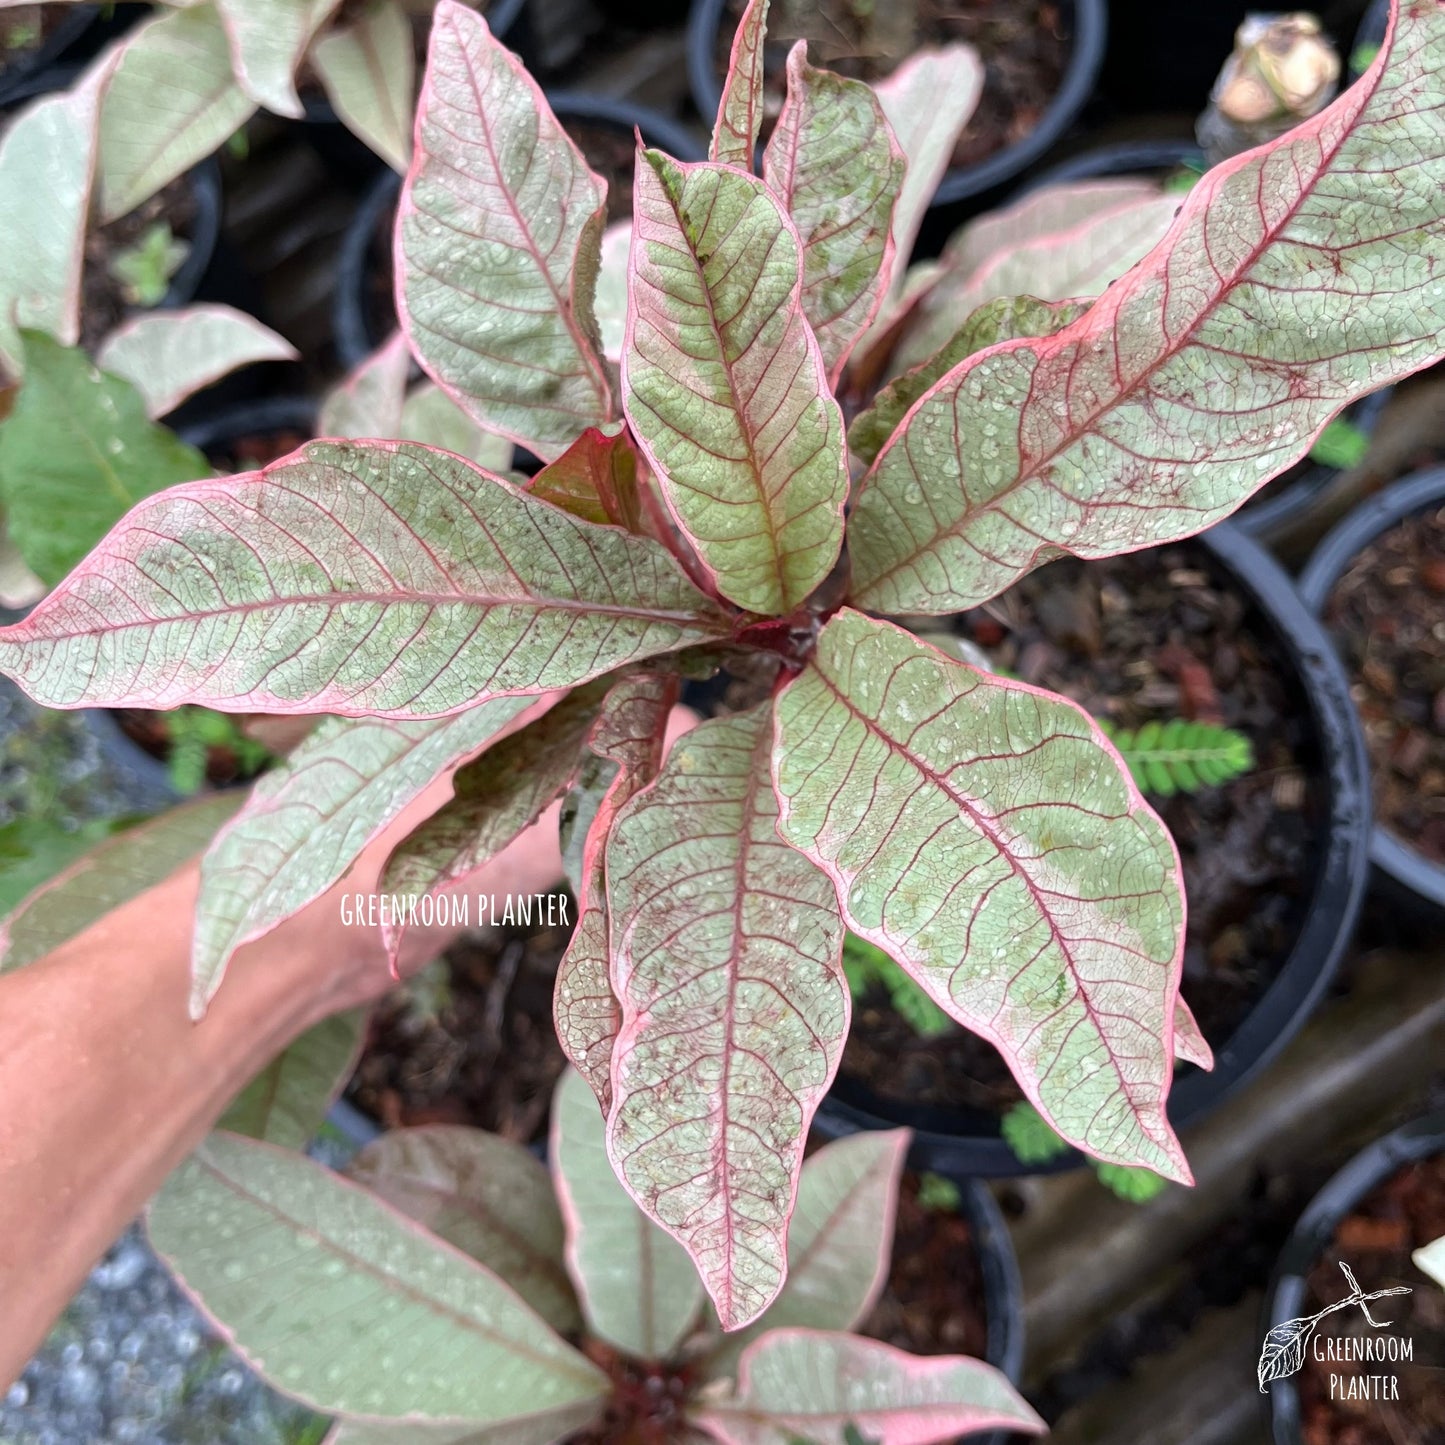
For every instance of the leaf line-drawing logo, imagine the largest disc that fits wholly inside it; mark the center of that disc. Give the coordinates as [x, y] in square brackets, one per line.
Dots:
[1285, 1345]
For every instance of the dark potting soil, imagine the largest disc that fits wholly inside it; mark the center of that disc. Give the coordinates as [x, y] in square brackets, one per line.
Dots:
[1024, 46]
[482, 1050]
[103, 299]
[24, 29]
[254, 450]
[609, 151]
[1387, 612]
[1376, 1240]
[933, 1303]
[1150, 635]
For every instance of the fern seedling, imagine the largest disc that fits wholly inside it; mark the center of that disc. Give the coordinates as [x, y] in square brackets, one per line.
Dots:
[1180, 756]
[1032, 1141]
[865, 965]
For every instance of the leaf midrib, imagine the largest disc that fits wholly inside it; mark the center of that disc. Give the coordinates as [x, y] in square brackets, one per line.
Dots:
[1116, 398]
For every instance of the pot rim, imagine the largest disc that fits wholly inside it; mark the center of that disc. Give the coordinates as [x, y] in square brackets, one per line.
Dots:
[1421, 1138]
[1340, 879]
[1390, 853]
[1088, 40]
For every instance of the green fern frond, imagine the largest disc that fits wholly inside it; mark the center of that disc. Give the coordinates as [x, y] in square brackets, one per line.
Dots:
[864, 964]
[1179, 756]
[1028, 1134]
[1135, 1184]
[1341, 444]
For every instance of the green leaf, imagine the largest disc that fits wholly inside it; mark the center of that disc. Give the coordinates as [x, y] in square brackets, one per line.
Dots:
[354, 1310]
[939, 1194]
[1179, 756]
[34, 850]
[818, 1386]
[595, 479]
[626, 746]
[638, 1288]
[107, 875]
[865, 965]
[369, 71]
[488, 1196]
[76, 453]
[725, 948]
[494, 798]
[724, 384]
[379, 594]
[1137, 1186]
[170, 103]
[268, 39]
[495, 277]
[1029, 1135]
[840, 1241]
[927, 101]
[833, 161]
[740, 108]
[367, 402]
[430, 416]
[1296, 278]
[47, 166]
[1341, 444]
[1061, 243]
[984, 835]
[1003, 319]
[286, 1103]
[145, 268]
[170, 355]
[308, 820]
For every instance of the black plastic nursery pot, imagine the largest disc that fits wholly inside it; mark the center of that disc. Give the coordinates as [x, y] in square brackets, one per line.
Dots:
[22, 80]
[1087, 23]
[1395, 857]
[1317, 1239]
[363, 313]
[968, 1141]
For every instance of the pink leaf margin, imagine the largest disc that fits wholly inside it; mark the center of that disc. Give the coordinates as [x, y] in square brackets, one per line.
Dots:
[1137, 804]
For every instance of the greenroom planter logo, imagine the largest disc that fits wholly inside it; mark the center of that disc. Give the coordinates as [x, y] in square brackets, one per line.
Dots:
[1287, 1346]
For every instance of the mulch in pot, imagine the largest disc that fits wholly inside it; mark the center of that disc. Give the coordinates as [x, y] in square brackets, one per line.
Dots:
[474, 1042]
[1376, 1240]
[105, 302]
[933, 1303]
[1387, 613]
[1024, 46]
[1149, 635]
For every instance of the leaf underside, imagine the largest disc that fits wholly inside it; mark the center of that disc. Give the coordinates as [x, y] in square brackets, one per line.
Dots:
[1296, 278]
[496, 796]
[840, 1241]
[382, 579]
[830, 1388]
[638, 1288]
[626, 745]
[986, 836]
[833, 161]
[488, 1196]
[307, 821]
[724, 384]
[497, 244]
[369, 71]
[288, 1257]
[740, 109]
[726, 960]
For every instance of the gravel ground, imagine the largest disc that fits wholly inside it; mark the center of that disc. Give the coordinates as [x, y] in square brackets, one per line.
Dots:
[132, 1363]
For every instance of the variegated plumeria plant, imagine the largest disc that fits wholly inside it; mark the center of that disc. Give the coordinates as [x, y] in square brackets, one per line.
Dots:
[698, 506]
[432, 1298]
